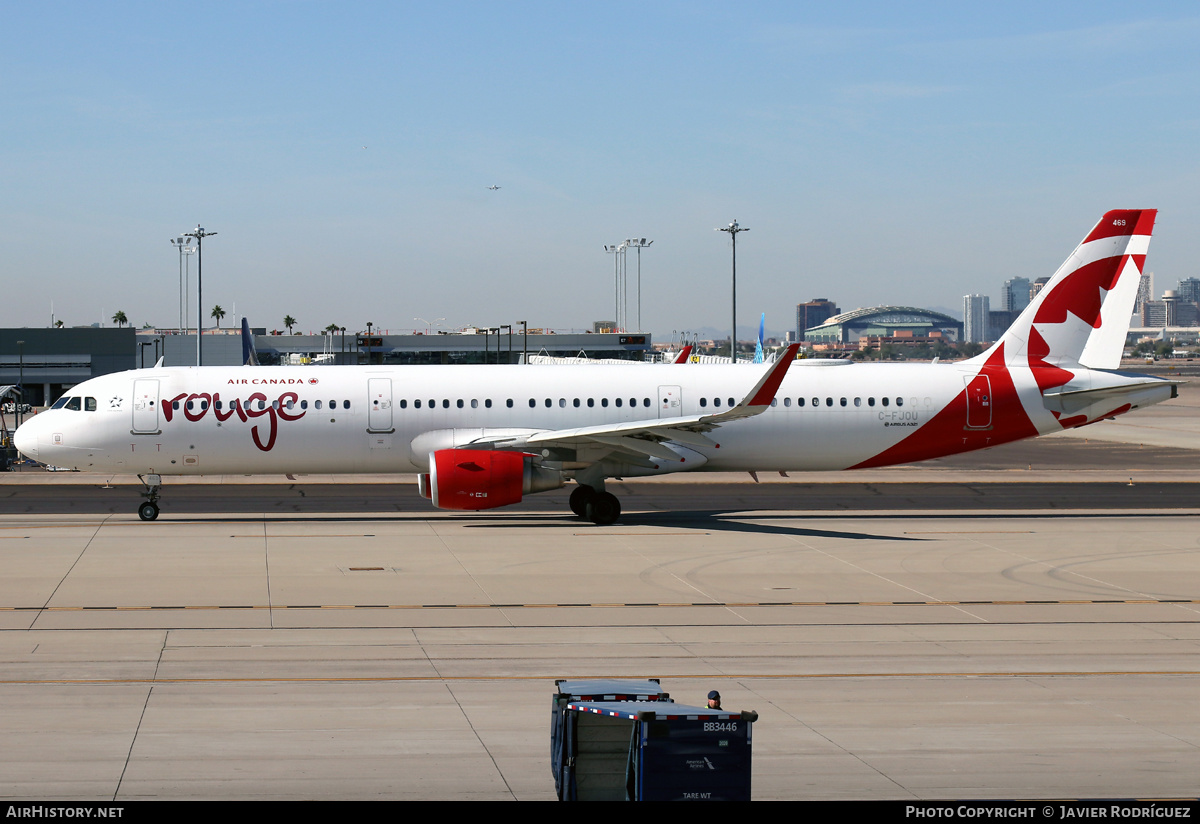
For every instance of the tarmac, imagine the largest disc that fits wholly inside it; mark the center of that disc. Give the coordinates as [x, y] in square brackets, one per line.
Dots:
[276, 638]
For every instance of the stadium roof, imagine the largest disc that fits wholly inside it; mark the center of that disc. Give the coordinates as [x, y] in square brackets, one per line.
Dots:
[899, 314]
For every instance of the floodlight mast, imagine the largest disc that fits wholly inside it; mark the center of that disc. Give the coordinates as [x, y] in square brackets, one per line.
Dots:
[185, 247]
[639, 243]
[199, 234]
[733, 230]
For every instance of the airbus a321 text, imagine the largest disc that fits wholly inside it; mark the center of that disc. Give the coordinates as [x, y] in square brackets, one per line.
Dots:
[481, 437]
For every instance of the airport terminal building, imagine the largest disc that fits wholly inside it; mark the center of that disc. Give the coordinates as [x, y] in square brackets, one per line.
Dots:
[47, 362]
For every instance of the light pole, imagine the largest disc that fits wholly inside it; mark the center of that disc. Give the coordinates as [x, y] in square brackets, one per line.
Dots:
[507, 326]
[199, 234]
[429, 324]
[524, 342]
[733, 230]
[618, 252]
[185, 247]
[21, 384]
[639, 243]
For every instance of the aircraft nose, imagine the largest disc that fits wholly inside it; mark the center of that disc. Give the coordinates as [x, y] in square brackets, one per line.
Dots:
[25, 440]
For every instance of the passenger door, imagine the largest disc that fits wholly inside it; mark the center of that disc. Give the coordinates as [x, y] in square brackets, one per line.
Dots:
[145, 407]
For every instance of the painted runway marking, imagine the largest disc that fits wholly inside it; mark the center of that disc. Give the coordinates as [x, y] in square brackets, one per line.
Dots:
[661, 604]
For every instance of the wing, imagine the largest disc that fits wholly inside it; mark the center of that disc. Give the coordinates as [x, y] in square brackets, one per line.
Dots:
[648, 438]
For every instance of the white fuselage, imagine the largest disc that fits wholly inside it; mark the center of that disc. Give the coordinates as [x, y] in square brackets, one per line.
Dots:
[368, 419]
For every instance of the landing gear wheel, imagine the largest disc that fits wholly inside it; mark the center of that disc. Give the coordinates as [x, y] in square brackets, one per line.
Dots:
[603, 509]
[580, 497]
[148, 511]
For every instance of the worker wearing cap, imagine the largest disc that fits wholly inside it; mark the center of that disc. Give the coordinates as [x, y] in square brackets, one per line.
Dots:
[714, 700]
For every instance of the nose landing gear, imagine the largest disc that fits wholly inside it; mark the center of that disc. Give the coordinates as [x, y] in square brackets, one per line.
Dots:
[148, 509]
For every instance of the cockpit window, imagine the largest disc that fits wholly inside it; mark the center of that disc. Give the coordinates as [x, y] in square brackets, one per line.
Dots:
[60, 403]
[73, 404]
[89, 404]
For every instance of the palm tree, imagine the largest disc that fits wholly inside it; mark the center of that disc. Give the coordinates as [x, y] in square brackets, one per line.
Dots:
[333, 327]
[119, 319]
[58, 324]
[289, 322]
[218, 313]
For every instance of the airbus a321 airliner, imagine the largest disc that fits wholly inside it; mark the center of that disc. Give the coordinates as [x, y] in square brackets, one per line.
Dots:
[481, 437]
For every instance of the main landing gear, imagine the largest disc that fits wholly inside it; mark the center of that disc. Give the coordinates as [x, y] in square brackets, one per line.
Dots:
[600, 508]
[148, 509]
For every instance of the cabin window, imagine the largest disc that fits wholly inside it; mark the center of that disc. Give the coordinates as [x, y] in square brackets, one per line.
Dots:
[509, 403]
[604, 402]
[786, 402]
[445, 403]
[858, 401]
[290, 405]
[549, 403]
[460, 403]
[189, 405]
[899, 401]
[732, 402]
[317, 404]
[843, 401]
[799, 401]
[816, 401]
[532, 403]
[774, 401]
[488, 403]
[575, 403]
[884, 401]
[870, 401]
[619, 401]
[562, 403]
[829, 401]
[703, 402]
[475, 403]
[645, 402]
[591, 402]
[716, 401]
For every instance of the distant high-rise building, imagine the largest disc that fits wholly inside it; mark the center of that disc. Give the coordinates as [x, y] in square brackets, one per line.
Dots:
[976, 320]
[1189, 290]
[813, 313]
[998, 322]
[1037, 286]
[1145, 292]
[1015, 294]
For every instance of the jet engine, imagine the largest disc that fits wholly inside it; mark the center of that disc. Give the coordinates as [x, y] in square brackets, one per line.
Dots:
[484, 478]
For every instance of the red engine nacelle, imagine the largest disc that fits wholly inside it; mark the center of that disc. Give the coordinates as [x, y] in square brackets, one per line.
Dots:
[484, 478]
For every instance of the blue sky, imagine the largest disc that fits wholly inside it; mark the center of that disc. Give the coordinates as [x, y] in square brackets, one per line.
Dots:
[879, 153]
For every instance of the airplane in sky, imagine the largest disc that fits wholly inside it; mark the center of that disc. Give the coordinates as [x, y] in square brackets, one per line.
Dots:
[484, 436]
